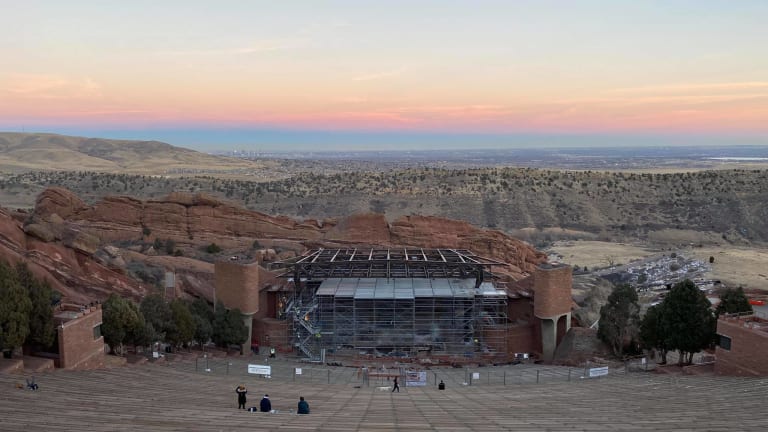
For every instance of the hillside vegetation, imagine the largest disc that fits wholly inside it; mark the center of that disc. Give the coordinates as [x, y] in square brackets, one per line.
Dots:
[723, 204]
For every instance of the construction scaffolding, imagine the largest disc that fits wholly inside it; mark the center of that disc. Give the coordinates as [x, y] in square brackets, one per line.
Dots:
[397, 303]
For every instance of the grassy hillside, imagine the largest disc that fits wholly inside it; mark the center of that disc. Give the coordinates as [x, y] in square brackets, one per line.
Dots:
[38, 151]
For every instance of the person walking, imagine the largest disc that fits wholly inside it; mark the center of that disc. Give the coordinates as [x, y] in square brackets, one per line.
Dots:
[396, 386]
[241, 392]
[265, 405]
[303, 406]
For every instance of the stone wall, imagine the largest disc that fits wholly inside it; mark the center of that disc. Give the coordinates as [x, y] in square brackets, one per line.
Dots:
[749, 348]
[522, 339]
[78, 349]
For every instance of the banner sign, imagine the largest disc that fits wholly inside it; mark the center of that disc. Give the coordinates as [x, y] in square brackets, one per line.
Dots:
[416, 379]
[259, 369]
[596, 372]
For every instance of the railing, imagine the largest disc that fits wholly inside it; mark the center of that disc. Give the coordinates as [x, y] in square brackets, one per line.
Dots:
[372, 376]
[304, 341]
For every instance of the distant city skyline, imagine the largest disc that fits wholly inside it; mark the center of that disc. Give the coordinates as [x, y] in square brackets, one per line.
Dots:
[350, 75]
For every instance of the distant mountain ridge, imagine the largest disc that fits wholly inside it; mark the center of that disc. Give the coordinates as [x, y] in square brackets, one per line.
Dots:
[25, 151]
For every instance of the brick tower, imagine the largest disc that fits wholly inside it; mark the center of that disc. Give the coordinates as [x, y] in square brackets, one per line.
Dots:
[552, 300]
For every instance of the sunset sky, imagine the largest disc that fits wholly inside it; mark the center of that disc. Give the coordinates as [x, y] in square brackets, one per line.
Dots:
[296, 75]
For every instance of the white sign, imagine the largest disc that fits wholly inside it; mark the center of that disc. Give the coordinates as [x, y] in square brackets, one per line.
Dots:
[155, 354]
[259, 369]
[170, 279]
[475, 375]
[600, 371]
[298, 371]
[415, 379]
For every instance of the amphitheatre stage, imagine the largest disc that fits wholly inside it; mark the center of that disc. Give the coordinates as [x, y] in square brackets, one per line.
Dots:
[174, 396]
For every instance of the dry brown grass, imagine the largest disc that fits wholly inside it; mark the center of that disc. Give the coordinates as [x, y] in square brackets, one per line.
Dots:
[735, 266]
[596, 254]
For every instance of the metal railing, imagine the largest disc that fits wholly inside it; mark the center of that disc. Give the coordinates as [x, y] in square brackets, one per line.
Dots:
[510, 375]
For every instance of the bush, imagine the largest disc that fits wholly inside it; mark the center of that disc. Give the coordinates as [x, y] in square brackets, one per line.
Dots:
[145, 273]
[170, 246]
[213, 248]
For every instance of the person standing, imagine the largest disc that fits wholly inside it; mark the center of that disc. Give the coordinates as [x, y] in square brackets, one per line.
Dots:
[396, 386]
[265, 405]
[241, 392]
[303, 406]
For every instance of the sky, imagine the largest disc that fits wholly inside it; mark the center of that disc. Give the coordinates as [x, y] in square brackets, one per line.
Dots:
[305, 75]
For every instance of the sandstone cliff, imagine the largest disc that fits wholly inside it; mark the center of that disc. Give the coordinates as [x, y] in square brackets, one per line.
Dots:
[71, 271]
[74, 244]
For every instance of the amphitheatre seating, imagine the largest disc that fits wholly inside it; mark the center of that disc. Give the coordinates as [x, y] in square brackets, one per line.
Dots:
[173, 396]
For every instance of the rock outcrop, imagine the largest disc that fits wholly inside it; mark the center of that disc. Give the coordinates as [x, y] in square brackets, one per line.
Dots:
[71, 270]
[74, 243]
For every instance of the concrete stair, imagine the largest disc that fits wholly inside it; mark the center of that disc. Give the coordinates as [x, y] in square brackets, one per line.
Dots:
[172, 396]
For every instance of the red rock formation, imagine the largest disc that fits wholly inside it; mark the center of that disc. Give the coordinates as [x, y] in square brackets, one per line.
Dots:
[369, 228]
[435, 232]
[193, 220]
[73, 273]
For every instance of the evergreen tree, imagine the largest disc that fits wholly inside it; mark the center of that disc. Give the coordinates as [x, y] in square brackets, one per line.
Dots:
[122, 323]
[157, 312]
[203, 330]
[652, 332]
[41, 328]
[733, 301]
[182, 329]
[688, 321]
[202, 308]
[228, 327]
[202, 315]
[15, 308]
[619, 318]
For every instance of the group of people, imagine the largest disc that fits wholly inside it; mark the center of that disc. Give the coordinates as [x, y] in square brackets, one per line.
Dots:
[266, 405]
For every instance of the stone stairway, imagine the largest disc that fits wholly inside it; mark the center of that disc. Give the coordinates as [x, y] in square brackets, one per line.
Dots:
[173, 397]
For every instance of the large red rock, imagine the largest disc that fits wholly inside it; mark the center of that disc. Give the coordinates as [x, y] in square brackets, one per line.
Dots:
[436, 232]
[195, 220]
[69, 270]
[60, 201]
[364, 227]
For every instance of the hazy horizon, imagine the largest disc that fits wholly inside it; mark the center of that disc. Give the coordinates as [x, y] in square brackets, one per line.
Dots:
[281, 141]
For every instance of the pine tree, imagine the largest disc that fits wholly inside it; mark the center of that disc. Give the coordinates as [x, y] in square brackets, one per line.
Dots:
[41, 328]
[733, 301]
[619, 318]
[15, 308]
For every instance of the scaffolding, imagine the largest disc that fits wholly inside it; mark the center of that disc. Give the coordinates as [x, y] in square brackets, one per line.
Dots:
[397, 303]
